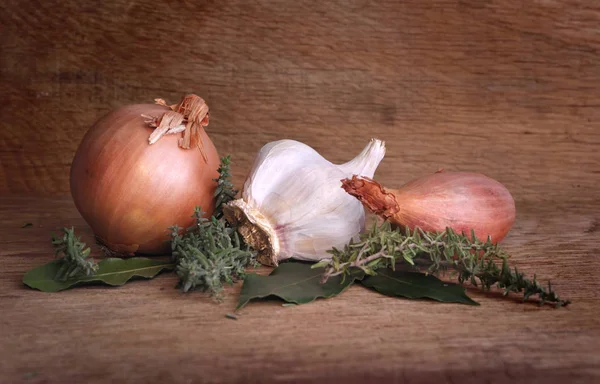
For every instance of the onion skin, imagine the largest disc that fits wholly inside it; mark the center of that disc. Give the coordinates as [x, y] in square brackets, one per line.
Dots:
[129, 191]
[462, 201]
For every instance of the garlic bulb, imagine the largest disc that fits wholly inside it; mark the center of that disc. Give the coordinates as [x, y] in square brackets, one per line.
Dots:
[293, 206]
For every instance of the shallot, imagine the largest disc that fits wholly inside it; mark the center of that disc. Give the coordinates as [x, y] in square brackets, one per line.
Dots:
[462, 201]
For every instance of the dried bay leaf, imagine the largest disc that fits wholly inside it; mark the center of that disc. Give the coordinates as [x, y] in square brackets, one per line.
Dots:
[415, 285]
[111, 271]
[293, 282]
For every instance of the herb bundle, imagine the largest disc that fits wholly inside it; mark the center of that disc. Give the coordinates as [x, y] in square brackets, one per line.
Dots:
[472, 259]
[209, 254]
[75, 267]
[74, 261]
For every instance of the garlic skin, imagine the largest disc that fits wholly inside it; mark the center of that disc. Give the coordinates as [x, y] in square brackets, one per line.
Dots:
[293, 204]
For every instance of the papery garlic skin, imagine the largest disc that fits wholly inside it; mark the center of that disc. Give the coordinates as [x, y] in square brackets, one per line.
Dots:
[293, 206]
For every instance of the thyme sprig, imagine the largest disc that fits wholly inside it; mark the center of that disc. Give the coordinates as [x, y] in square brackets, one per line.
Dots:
[208, 255]
[225, 191]
[474, 260]
[74, 260]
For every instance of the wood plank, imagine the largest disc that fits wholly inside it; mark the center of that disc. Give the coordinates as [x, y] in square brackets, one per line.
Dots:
[148, 331]
[454, 84]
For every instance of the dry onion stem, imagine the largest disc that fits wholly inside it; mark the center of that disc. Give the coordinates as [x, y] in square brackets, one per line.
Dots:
[190, 116]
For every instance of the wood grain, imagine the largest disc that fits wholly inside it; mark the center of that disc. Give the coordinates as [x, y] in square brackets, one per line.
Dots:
[508, 88]
[148, 331]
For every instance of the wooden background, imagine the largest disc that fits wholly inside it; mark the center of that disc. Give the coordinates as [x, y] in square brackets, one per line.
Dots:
[508, 88]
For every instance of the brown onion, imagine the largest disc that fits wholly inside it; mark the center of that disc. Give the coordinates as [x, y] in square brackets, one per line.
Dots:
[130, 191]
[462, 201]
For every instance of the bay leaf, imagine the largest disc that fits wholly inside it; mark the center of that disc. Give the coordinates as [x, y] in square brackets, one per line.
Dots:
[415, 285]
[111, 271]
[293, 282]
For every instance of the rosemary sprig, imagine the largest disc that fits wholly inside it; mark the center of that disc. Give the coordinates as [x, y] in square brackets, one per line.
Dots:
[225, 191]
[474, 260]
[74, 261]
[208, 255]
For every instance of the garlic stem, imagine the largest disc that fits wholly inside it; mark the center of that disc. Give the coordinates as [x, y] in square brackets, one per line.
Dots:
[367, 161]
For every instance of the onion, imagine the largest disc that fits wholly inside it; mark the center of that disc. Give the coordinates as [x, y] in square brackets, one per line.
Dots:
[130, 191]
[462, 201]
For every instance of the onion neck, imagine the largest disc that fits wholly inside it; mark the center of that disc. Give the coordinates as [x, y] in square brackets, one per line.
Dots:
[372, 195]
[256, 230]
[190, 116]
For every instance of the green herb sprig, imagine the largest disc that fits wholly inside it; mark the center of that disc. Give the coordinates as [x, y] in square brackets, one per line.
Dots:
[74, 261]
[474, 260]
[211, 254]
[225, 191]
[208, 255]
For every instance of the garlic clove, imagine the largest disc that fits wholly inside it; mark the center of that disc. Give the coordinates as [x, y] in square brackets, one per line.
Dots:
[293, 206]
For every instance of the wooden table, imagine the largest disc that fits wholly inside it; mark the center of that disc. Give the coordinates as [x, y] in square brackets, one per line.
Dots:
[507, 88]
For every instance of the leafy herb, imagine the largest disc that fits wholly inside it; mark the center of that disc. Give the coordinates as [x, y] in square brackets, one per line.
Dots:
[293, 282]
[75, 267]
[208, 255]
[231, 316]
[25, 225]
[111, 271]
[474, 260]
[211, 253]
[414, 285]
[74, 261]
[225, 191]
